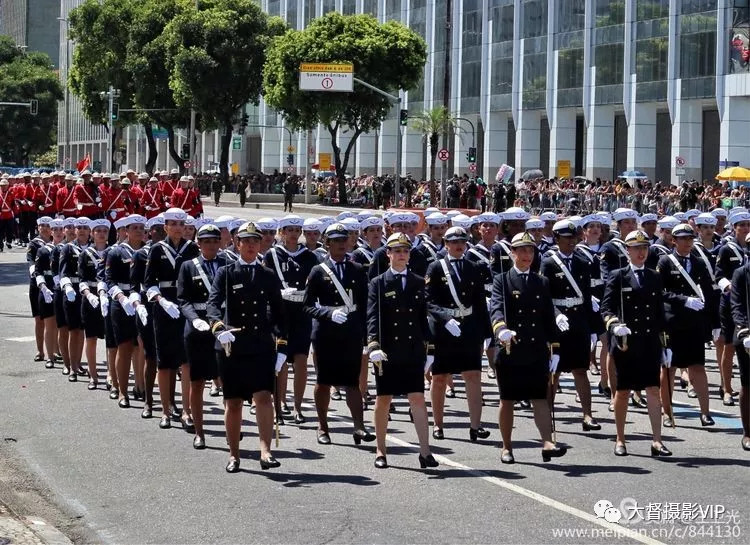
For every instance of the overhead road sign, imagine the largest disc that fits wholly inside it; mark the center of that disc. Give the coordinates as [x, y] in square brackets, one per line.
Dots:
[327, 77]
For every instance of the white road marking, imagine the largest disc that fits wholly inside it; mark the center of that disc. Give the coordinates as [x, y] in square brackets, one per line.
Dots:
[21, 339]
[545, 500]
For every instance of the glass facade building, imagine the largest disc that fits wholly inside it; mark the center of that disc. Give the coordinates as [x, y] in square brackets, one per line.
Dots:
[593, 87]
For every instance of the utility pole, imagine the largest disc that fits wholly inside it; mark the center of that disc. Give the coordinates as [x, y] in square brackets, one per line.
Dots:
[110, 95]
[447, 82]
[67, 159]
[192, 128]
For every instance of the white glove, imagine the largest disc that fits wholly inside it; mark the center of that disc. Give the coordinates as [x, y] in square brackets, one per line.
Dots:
[287, 291]
[56, 280]
[92, 299]
[338, 316]
[562, 322]
[280, 361]
[505, 335]
[46, 293]
[142, 313]
[724, 284]
[746, 342]
[620, 330]
[666, 359]
[200, 325]
[594, 339]
[428, 363]
[378, 355]
[70, 293]
[127, 306]
[554, 360]
[453, 327]
[595, 304]
[225, 337]
[32, 267]
[693, 303]
[169, 307]
[104, 302]
[715, 334]
[487, 342]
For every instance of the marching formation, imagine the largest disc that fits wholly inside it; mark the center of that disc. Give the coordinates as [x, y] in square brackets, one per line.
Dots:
[241, 305]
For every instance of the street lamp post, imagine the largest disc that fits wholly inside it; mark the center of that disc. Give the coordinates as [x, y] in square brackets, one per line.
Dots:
[67, 154]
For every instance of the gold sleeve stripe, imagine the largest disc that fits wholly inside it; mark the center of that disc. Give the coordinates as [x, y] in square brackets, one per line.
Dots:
[216, 326]
[497, 326]
[611, 320]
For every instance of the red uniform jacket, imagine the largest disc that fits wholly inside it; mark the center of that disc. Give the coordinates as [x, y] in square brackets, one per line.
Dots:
[183, 198]
[45, 200]
[117, 204]
[152, 202]
[65, 203]
[7, 205]
[136, 194]
[167, 188]
[88, 200]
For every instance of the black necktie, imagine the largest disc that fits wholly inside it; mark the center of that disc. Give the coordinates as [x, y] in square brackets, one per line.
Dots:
[525, 278]
[639, 276]
[458, 263]
[340, 270]
[402, 279]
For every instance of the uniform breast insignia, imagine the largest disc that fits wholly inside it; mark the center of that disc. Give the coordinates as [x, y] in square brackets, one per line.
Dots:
[390, 294]
[237, 286]
[627, 289]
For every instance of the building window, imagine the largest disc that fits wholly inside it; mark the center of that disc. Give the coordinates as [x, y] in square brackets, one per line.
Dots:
[501, 15]
[533, 18]
[392, 10]
[739, 46]
[328, 5]
[310, 12]
[610, 12]
[273, 7]
[371, 7]
[418, 23]
[349, 7]
[291, 13]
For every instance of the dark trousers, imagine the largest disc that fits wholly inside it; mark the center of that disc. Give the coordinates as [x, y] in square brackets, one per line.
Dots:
[6, 231]
[28, 226]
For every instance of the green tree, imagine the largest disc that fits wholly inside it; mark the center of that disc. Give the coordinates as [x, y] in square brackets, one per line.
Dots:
[216, 58]
[101, 33]
[24, 77]
[149, 63]
[389, 56]
[434, 124]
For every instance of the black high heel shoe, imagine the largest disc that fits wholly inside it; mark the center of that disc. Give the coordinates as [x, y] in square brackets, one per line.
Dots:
[324, 438]
[479, 433]
[427, 461]
[706, 420]
[362, 435]
[233, 466]
[661, 450]
[269, 463]
[437, 433]
[591, 425]
[50, 364]
[114, 393]
[382, 463]
[556, 452]
[124, 403]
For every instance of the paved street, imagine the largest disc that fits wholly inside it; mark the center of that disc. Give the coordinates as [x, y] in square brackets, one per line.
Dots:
[112, 477]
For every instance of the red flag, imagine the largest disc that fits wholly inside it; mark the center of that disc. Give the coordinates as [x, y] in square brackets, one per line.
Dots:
[84, 163]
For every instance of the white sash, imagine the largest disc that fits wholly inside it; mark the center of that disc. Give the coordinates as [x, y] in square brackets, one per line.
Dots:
[153, 198]
[185, 200]
[4, 207]
[451, 286]
[170, 253]
[67, 199]
[698, 291]
[568, 276]
[93, 254]
[277, 266]
[342, 292]
[202, 273]
[114, 201]
[368, 254]
[737, 251]
[480, 255]
[430, 247]
[702, 252]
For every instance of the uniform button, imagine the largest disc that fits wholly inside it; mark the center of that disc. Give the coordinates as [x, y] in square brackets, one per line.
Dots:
[648, 331]
[537, 297]
[243, 314]
[410, 323]
[395, 338]
[410, 336]
[255, 315]
[396, 310]
[534, 311]
[261, 292]
[532, 325]
[532, 338]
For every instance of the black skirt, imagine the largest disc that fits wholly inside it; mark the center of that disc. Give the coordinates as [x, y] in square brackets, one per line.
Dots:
[73, 312]
[456, 355]
[528, 380]
[93, 321]
[243, 375]
[146, 332]
[59, 309]
[170, 346]
[400, 377]
[123, 326]
[201, 355]
[34, 298]
[109, 331]
[640, 366]
[575, 350]
[688, 347]
[339, 361]
[726, 321]
[299, 329]
[743, 361]
[46, 310]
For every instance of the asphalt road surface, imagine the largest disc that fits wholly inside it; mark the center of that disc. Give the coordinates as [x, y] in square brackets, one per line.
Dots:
[112, 477]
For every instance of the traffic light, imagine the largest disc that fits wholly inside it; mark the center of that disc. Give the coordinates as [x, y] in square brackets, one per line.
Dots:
[115, 111]
[471, 157]
[186, 150]
[34, 108]
[403, 118]
[290, 159]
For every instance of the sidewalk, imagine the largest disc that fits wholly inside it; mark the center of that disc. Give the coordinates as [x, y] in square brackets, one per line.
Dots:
[29, 531]
[230, 200]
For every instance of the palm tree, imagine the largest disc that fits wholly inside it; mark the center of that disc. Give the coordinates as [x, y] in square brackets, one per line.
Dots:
[433, 124]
